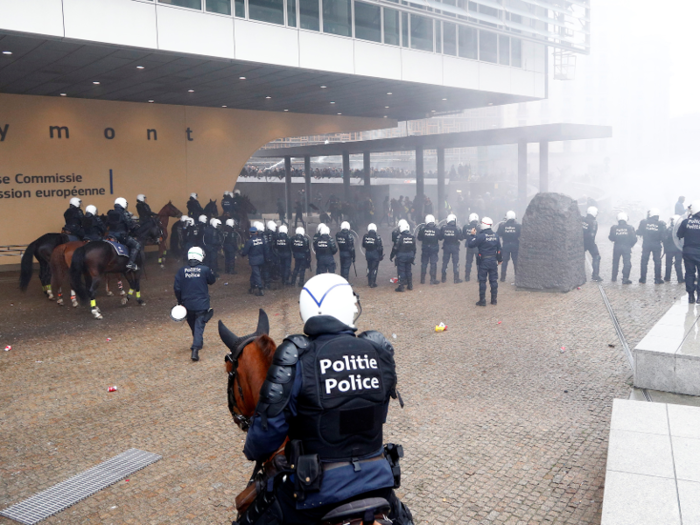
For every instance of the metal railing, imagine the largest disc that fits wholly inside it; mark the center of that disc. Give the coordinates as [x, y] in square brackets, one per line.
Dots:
[13, 250]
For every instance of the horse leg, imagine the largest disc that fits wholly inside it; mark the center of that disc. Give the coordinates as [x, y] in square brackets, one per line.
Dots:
[120, 285]
[46, 279]
[93, 282]
[109, 292]
[161, 255]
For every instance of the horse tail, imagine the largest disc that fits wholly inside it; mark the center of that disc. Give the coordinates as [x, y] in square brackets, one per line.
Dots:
[77, 267]
[27, 266]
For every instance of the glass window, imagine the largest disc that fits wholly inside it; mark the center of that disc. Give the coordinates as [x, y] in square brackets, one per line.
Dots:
[468, 42]
[504, 50]
[449, 39]
[292, 13]
[490, 11]
[266, 10]
[219, 6]
[438, 36]
[239, 6]
[192, 4]
[336, 17]
[308, 15]
[421, 33]
[391, 26]
[368, 22]
[488, 46]
[516, 52]
[404, 29]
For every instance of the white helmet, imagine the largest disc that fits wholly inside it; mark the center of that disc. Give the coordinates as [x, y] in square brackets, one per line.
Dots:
[75, 201]
[228, 194]
[622, 216]
[451, 218]
[203, 219]
[318, 228]
[259, 226]
[91, 209]
[372, 227]
[121, 201]
[325, 230]
[229, 222]
[473, 217]
[190, 221]
[236, 192]
[486, 222]
[345, 225]
[510, 215]
[185, 218]
[283, 229]
[300, 231]
[195, 253]
[592, 210]
[654, 212]
[403, 221]
[694, 207]
[178, 313]
[272, 226]
[215, 223]
[141, 197]
[429, 219]
[329, 294]
[404, 227]
[193, 196]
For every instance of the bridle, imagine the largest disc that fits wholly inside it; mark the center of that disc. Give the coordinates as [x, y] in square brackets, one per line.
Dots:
[241, 420]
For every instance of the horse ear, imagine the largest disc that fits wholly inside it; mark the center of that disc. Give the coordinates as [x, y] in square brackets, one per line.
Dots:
[227, 336]
[263, 323]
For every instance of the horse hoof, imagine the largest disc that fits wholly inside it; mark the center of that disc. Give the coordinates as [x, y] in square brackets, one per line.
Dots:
[141, 302]
[50, 296]
[74, 303]
[96, 313]
[162, 267]
[110, 293]
[122, 292]
[125, 300]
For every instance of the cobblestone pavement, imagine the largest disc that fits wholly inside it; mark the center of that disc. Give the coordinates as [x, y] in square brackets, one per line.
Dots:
[506, 419]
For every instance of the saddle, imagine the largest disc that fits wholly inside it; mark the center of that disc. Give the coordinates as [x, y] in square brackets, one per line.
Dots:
[369, 511]
[120, 249]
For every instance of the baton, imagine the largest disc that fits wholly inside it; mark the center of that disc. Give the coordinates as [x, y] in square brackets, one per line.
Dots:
[354, 268]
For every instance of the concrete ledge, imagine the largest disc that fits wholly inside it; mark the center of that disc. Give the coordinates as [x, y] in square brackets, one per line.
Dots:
[668, 358]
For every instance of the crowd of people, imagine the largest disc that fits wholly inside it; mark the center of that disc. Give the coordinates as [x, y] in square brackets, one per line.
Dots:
[459, 172]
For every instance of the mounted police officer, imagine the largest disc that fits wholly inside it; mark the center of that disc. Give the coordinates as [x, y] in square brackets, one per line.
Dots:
[283, 247]
[689, 231]
[143, 209]
[674, 256]
[374, 253]
[474, 224]
[405, 252]
[213, 240]
[590, 230]
[194, 209]
[652, 232]
[301, 251]
[346, 246]
[451, 236]
[328, 391]
[428, 235]
[624, 237]
[509, 232]
[227, 204]
[230, 248]
[256, 250]
[325, 249]
[192, 291]
[121, 225]
[488, 259]
[73, 217]
[93, 227]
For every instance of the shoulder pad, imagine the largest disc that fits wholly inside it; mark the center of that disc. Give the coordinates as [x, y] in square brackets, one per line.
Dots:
[378, 341]
[299, 340]
[287, 354]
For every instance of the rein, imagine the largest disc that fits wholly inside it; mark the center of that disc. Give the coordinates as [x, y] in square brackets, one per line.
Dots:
[240, 419]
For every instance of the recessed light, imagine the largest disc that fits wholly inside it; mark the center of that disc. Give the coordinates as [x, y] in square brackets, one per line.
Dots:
[140, 67]
[444, 99]
[241, 78]
[339, 113]
[432, 111]
[286, 110]
[7, 52]
[323, 87]
[96, 82]
[389, 93]
[332, 102]
[490, 103]
[268, 97]
[384, 116]
[151, 101]
[190, 90]
[64, 95]
[224, 106]
[386, 107]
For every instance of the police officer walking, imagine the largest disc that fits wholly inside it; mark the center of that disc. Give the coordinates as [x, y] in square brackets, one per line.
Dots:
[489, 257]
[474, 224]
[689, 231]
[256, 250]
[73, 217]
[590, 230]
[374, 252]
[271, 261]
[230, 248]
[405, 252]
[430, 247]
[325, 249]
[93, 227]
[624, 237]
[301, 251]
[335, 429]
[674, 256]
[120, 227]
[346, 246]
[509, 232]
[192, 291]
[283, 247]
[213, 241]
[652, 231]
[451, 236]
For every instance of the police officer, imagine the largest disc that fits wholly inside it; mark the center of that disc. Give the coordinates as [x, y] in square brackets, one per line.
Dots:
[328, 391]
[680, 206]
[689, 230]
[190, 235]
[590, 230]
[272, 261]
[428, 235]
[652, 232]
[474, 224]
[230, 248]
[451, 236]
[487, 260]
[227, 204]
[395, 235]
[73, 217]
[672, 252]
[192, 291]
[194, 209]
[624, 237]
[199, 231]
[509, 232]
[256, 250]
[213, 240]
[405, 252]
[298, 214]
[93, 227]
[325, 249]
[142, 208]
[283, 247]
[301, 251]
[346, 246]
[120, 227]
[374, 252]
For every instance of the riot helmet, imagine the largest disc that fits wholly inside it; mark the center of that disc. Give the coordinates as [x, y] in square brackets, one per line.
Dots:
[203, 219]
[487, 222]
[592, 210]
[229, 223]
[329, 294]
[283, 229]
[622, 216]
[91, 209]
[195, 253]
[300, 231]
[75, 201]
[372, 227]
[510, 215]
[121, 201]
[140, 198]
[429, 219]
[345, 225]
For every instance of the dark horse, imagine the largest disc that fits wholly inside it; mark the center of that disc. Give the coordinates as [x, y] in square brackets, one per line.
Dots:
[96, 259]
[162, 218]
[41, 249]
[211, 210]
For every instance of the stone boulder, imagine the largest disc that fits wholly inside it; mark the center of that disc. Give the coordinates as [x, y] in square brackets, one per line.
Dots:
[551, 256]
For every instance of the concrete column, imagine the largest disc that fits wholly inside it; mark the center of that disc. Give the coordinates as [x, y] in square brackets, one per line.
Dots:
[346, 175]
[307, 182]
[420, 182]
[440, 204]
[544, 166]
[288, 187]
[522, 175]
[365, 158]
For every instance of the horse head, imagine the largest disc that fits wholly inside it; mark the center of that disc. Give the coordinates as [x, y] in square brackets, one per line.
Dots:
[247, 363]
[169, 210]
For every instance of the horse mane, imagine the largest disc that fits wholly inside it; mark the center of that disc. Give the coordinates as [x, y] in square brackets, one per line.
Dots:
[266, 346]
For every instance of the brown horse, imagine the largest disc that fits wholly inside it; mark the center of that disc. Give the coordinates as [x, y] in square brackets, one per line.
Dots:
[163, 217]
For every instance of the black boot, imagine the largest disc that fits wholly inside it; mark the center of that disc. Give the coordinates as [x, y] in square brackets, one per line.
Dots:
[422, 277]
[482, 300]
[691, 298]
[444, 277]
[131, 265]
[195, 354]
[466, 278]
[259, 292]
[457, 279]
[400, 287]
[493, 299]
[503, 277]
[410, 283]
[433, 278]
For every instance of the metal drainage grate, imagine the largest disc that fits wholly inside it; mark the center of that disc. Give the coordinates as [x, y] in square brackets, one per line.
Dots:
[69, 492]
